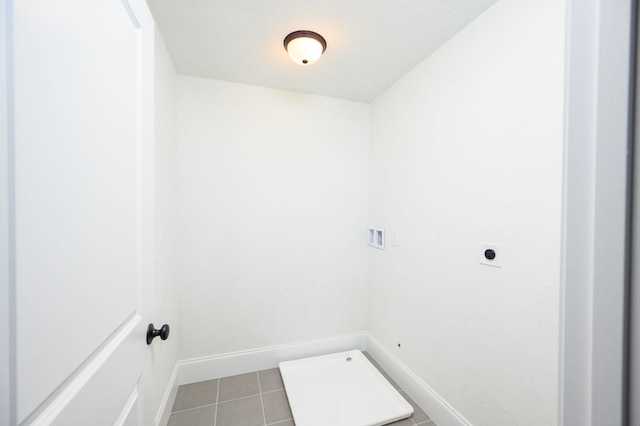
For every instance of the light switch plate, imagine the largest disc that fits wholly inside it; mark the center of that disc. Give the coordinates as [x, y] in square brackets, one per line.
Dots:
[394, 238]
[497, 250]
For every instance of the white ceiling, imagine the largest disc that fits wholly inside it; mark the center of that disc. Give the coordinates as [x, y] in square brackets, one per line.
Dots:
[370, 44]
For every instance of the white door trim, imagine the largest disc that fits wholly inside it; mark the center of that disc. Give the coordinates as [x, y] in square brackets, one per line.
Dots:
[594, 223]
[7, 241]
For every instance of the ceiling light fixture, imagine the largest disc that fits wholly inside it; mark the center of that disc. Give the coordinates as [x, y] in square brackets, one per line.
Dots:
[305, 47]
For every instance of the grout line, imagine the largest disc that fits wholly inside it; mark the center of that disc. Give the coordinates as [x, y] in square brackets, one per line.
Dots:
[237, 399]
[273, 390]
[193, 408]
[264, 416]
[215, 416]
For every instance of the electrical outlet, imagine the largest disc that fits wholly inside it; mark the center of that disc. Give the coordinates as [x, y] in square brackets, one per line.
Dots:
[491, 254]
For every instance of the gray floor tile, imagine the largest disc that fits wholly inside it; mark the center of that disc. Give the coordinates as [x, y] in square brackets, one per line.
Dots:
[403, 422]
[238, 386]
[276, 406]
[369, 357]
[384, 373]
[283, 423]
[240, 402]
[245, 412]
[197, 417]
[389, 379]
[418, 415]
[196, 395]
[372, 361]
[270, 380]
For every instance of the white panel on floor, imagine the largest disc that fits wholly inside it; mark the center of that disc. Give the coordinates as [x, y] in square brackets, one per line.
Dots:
[341, 389]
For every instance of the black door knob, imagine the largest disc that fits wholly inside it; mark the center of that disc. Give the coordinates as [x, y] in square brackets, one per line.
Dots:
[152, 333]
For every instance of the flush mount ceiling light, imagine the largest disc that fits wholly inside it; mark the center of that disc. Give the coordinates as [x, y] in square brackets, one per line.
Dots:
[305, 47]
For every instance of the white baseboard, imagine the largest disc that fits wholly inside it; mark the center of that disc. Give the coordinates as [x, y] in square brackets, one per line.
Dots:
[432, 403]
[164, 411]
[230, 364]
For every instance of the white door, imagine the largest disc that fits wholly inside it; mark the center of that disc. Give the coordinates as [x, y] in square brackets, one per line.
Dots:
[82, 140]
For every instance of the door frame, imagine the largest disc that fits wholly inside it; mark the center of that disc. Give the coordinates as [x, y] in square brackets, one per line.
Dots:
[634, 285]
[596, 213]
[7, 240]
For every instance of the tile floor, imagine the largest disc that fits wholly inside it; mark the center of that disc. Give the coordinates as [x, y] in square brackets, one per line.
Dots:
[252, 399]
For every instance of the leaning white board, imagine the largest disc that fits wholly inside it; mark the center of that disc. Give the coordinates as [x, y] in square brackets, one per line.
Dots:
[342, 389]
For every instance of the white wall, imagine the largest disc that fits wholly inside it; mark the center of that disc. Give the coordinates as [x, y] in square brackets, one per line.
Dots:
[467, 148]
[272, 215]
[165, 354]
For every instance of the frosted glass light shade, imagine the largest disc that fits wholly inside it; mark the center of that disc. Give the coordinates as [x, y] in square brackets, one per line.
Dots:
[305, 47]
